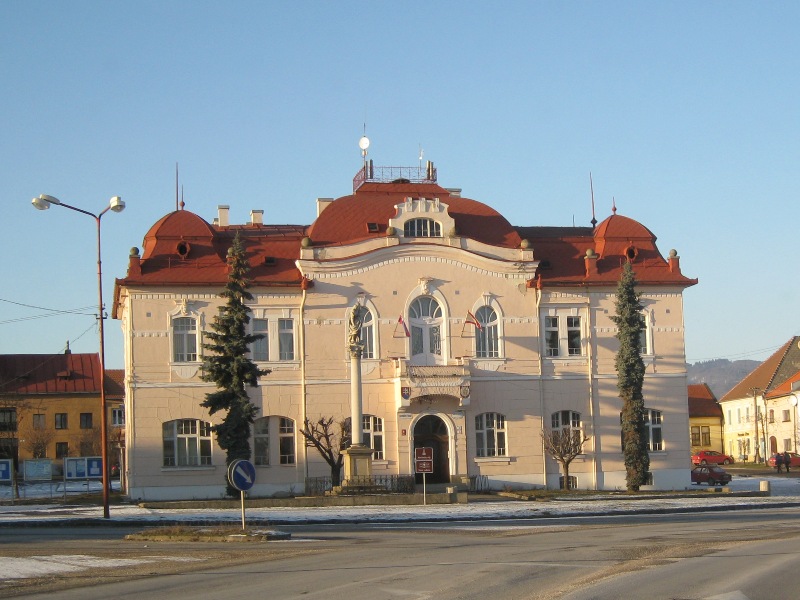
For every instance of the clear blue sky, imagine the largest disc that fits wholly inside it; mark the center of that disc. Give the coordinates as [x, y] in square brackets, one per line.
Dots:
[686, 113]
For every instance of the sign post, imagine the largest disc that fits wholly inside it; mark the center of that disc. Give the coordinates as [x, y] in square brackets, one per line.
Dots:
[242, 476]
[423, 463]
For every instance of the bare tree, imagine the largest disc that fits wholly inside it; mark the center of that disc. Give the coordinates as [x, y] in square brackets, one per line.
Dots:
[37, 441]
[564, 445]
[330, 438]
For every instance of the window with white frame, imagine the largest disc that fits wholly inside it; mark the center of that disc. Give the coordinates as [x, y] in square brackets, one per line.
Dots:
[563, 335]
[422, 228]
[787, 444]
[286, 441]
[285, 339]
[490, 435]
[184, 339]
[645, 338]
[567, 420]
[260, 348]
[652, 421]
[118, 416]
[372, 435]
[487, 344]
[368, 335]
[273, 427]
[786, 417]
[186, 443]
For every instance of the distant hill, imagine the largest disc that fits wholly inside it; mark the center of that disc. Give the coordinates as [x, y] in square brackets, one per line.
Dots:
[720, 374]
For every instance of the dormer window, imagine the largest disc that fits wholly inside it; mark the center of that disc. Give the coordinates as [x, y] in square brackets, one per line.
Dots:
[422, 228]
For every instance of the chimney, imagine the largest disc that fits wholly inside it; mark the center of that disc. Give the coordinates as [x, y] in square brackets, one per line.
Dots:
[590, 260]
[257, 217]
[322, 204]
[222, 212]
[674, 262]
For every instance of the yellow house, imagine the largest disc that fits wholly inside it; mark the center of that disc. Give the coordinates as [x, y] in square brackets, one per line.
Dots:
[705, 419]
[50, 407]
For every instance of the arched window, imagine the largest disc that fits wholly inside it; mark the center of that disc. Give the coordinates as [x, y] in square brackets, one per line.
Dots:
[425, 318]
[486, 340]
[422, 228]
[372, 434]
[186, 443]
[490, 435]
[368, 335]
[277, 428]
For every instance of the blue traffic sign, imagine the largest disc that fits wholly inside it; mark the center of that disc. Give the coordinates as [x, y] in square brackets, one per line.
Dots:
[242, 474]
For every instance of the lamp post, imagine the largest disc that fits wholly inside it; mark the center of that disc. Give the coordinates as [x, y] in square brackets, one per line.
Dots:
[116, 204]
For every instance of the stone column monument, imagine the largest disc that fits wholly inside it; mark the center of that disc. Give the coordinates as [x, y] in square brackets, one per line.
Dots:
[358, 457]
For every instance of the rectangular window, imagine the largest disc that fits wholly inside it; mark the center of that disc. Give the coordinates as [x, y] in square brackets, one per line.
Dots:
[61, 420]
[184, 339]
[372, 434]
[652, 420]
[261, 347]
[695, 436]
[118, 417]
[787, 445]
[574, 336]
[786, 417]
[39, 422]
[86, 422]
[8, 419]
[706, 433]
[62, 449]
[286, 441]
[286, 339]
[261, 442]
[551, 336]
[490, 434]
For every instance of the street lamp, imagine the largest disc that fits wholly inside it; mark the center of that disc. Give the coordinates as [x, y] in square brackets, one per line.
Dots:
[116, 204]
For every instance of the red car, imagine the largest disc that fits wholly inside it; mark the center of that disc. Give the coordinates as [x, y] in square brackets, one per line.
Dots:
[794, 459]
[710, 474]
[705, 457]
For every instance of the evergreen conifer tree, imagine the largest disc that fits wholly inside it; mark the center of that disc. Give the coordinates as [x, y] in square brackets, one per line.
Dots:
[228, 364]
[630, 379]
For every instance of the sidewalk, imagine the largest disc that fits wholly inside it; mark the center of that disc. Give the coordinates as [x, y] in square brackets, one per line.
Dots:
[785, 492]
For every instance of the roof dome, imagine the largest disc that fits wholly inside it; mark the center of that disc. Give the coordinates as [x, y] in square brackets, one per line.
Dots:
[173, 227]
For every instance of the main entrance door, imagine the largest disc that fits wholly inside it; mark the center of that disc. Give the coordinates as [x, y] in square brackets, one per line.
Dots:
[431, 432]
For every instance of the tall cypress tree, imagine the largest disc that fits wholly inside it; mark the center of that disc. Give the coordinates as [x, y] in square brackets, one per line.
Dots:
[630, 379]
[228, 364]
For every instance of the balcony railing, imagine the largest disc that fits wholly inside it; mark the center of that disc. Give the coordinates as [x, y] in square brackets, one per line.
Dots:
[370, 173]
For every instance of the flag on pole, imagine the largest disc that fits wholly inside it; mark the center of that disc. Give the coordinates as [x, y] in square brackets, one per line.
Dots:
[400, 321]
[473, 321]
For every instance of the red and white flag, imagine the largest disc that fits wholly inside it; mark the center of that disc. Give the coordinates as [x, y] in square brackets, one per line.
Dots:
[400, 321]
[473, 321]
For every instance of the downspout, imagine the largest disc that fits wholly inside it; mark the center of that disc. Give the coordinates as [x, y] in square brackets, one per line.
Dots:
[303, 390]
[541, 383]
[590, 369]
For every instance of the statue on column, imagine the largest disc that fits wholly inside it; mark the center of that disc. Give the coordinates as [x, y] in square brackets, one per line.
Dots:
[357, 316]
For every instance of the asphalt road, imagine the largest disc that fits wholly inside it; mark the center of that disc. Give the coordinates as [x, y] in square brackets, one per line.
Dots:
[735, 555]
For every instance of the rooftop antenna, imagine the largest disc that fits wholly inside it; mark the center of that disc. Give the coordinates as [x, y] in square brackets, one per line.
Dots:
[176, 186]
[591, 187]
[421, 154]
[363, 143]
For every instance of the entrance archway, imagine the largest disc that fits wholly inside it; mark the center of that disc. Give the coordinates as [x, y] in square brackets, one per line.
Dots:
[431, 432]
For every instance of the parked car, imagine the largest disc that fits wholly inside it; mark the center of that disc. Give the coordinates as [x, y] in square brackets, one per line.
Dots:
[705, 457]
[710, 474]
[794, 459]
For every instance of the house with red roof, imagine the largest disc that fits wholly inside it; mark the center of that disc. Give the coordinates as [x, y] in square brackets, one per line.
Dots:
[50, 407]
[478, 336]
[761, 410]
[705, 419]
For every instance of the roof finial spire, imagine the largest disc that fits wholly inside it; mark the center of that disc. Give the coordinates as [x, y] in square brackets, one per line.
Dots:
[613, 205]
[591, 188]
[176, 185]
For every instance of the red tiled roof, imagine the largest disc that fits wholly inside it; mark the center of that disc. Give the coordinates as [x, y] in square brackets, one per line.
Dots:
[345, 220]
[115, 384]
[785, 388]
[30, 374]
[702, 402]
[769, 374]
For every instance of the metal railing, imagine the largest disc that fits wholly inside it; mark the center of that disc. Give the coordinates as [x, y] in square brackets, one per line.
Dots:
[389, 484]
[370, 173]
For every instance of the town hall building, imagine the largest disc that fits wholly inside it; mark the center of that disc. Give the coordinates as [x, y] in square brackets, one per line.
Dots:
[478, 336]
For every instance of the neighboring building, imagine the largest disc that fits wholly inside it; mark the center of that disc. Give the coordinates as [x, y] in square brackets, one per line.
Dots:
[760, 414]
[50, 406]
[705, 419]
[479, 335]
